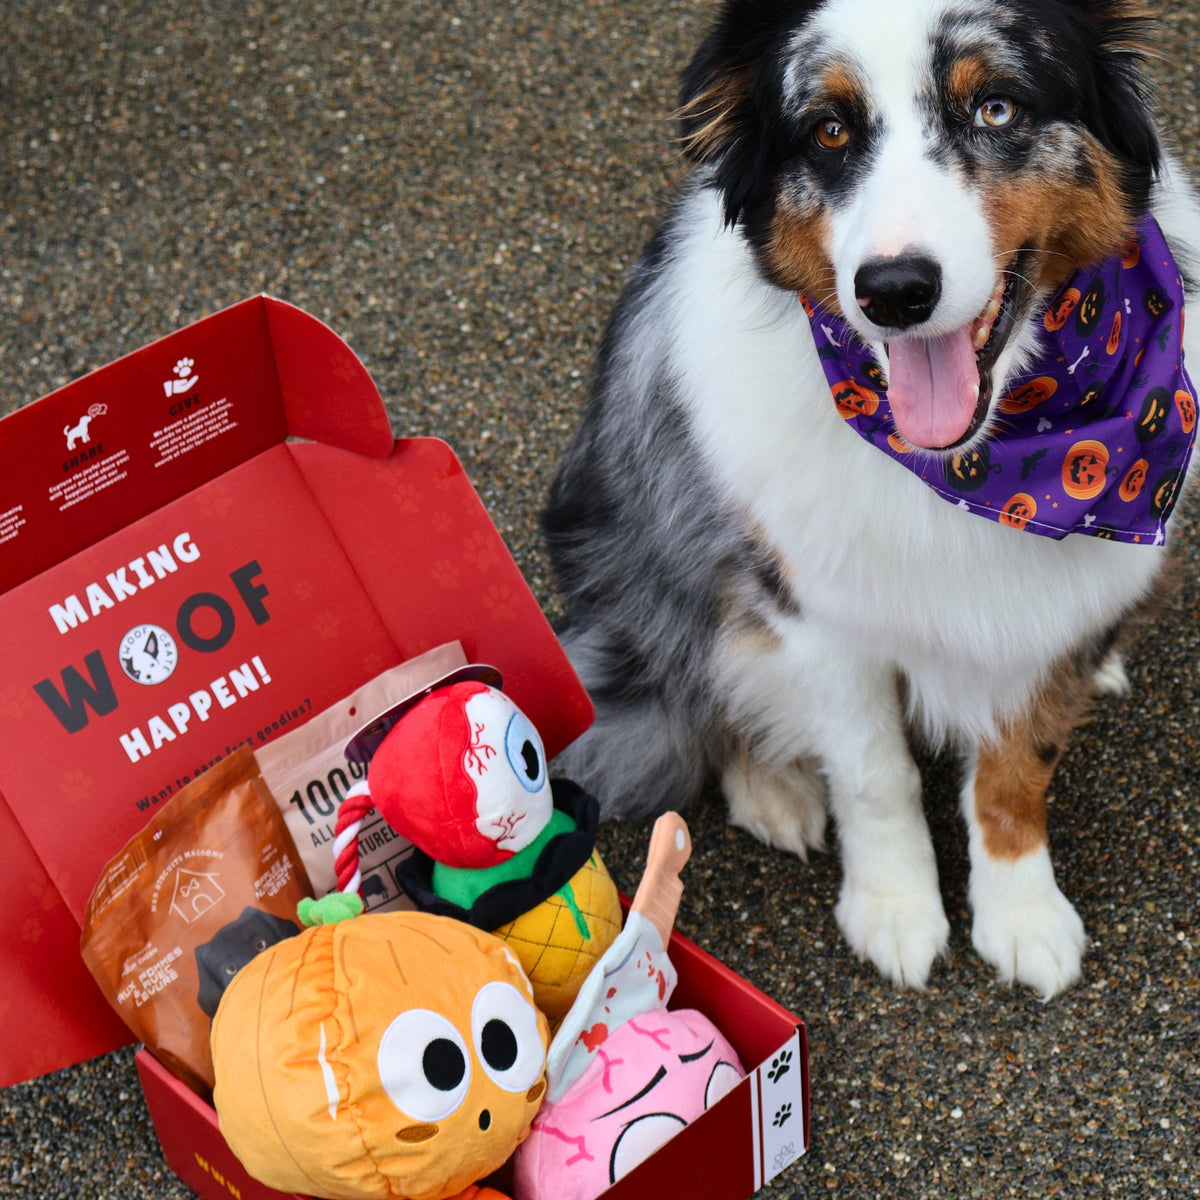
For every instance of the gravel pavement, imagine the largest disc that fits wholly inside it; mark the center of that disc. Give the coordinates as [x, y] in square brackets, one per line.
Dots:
[458, 190]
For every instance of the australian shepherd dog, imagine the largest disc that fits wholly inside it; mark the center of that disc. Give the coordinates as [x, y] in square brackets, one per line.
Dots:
[884, 436]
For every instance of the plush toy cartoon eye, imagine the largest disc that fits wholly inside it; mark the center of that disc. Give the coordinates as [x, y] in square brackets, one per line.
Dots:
[525, 753]
[995, 113]
[507, 764]
[504, 1026]
[831, 134]
[424, 1065]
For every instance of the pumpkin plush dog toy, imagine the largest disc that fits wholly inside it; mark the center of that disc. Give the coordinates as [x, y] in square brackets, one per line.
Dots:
[382, 1056]
[460, 771]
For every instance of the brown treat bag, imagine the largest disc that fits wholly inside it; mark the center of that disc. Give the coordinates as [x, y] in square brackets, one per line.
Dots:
[308, 773]
[211, 881]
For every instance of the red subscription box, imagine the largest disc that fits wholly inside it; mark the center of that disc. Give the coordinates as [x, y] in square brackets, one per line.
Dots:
[179, 576]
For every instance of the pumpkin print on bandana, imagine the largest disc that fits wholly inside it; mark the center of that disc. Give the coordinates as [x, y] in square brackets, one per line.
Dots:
[1094, 436]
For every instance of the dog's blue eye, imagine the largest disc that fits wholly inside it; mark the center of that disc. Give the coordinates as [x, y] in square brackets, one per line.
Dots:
[995, 112]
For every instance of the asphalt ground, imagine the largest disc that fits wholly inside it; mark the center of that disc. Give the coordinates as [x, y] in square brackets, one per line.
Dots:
[458, 190]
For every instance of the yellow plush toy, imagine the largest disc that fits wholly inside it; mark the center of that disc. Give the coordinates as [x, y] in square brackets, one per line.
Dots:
[383, 1056]
[561, 939]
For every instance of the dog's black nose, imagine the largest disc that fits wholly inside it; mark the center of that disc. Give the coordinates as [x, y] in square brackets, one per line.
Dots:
[898, 292]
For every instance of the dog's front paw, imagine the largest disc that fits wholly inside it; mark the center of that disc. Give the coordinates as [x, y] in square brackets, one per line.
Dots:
[1025, 927]
[900, 931]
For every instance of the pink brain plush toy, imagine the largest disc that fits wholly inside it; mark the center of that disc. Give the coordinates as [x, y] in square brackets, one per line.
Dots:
[625, 1073]
[651, 1077]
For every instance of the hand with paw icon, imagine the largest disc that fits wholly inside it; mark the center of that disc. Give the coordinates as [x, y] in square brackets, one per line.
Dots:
[185, 380]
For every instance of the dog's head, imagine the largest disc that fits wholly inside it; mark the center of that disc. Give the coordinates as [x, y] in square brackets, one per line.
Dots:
[931, 170]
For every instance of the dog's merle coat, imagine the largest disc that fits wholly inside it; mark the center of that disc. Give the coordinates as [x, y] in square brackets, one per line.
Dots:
[755, 592]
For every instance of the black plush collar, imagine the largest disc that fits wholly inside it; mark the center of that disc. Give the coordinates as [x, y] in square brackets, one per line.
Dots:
[560, 859]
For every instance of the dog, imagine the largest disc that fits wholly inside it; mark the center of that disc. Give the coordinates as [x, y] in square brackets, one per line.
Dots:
[777, 564]
[77, 433]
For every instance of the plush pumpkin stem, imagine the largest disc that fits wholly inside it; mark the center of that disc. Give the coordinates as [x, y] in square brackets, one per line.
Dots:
[329, 910]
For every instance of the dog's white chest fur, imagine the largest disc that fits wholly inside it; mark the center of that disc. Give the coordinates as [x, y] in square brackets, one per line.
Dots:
[874, 557]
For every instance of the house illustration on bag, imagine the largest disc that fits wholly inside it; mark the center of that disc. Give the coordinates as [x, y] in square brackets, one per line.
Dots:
[195, 893]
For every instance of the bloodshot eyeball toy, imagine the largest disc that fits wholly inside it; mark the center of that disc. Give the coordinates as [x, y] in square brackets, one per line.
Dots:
[460, 771]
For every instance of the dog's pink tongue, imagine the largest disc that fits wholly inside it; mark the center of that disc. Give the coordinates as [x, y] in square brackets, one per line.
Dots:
[933, 387]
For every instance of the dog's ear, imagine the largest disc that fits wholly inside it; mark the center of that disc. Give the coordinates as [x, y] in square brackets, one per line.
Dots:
[1118, 108]
[730, 95]
[714, 96]
[722, 117]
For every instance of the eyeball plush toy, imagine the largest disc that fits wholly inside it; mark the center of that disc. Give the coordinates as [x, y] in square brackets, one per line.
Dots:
[460, 771]
[382, 1056]
[624, 1073]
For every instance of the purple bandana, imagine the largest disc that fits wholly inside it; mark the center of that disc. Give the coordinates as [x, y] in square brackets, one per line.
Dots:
[1096, 433]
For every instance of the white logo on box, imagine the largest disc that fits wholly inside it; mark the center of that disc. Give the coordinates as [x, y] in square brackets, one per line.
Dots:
[184, 380]
[79, 433]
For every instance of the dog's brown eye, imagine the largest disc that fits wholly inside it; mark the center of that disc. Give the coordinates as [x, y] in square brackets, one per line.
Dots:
[995, 112]
[831, 135]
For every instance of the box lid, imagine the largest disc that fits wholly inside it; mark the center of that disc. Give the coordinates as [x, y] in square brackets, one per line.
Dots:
[211, 584]
[122, 441]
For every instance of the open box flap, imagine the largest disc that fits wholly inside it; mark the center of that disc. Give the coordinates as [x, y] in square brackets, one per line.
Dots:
[327, 394]
[39, 966]
[126, 439]
[419, 508]
[273, 608]
[263, 593]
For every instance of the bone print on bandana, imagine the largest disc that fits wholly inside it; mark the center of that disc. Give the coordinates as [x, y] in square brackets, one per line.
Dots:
[1094, 436]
